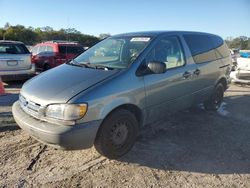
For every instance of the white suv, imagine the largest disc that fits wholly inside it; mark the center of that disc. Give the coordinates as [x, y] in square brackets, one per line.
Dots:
[15, 61]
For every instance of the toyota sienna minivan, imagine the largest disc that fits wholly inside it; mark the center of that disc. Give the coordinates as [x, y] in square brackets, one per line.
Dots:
[111, 91]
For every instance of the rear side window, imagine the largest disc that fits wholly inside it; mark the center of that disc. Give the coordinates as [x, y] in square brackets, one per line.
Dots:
[201, 47]
[70, 49]
[220, 47]
[49, 49]
[11, 48]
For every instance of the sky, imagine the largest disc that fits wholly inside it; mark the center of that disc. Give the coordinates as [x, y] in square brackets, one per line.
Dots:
[223, 17]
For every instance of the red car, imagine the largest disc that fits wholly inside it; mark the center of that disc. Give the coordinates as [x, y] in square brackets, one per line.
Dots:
[50, 54]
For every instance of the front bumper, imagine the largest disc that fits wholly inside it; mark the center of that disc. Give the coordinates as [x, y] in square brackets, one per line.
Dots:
[80, 136]
[237, 76]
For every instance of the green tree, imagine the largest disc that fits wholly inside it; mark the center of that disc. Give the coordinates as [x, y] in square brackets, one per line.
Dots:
[32, 35]
[241, 42]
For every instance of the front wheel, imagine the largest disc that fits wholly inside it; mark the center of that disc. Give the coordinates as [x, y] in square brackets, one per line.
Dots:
[117, 134]
[214, 103]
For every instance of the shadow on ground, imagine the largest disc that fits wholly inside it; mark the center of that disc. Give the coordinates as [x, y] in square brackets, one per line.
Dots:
[198, 141]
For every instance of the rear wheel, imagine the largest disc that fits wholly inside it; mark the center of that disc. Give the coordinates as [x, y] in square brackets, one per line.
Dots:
[117, 134]
[214, 103]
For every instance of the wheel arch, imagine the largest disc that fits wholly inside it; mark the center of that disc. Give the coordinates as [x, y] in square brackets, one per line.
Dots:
[223, 81]
[131, 108]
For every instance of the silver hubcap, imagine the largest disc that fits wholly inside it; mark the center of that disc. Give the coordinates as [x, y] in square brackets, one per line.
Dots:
[119, 133]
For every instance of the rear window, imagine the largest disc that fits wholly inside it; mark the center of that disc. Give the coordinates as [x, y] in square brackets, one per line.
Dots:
[11, 48]
[70, 49]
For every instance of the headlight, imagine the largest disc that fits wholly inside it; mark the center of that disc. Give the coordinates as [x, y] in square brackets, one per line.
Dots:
[66, 111]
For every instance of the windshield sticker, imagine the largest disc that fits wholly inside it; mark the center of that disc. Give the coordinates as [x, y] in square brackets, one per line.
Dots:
[140, 39]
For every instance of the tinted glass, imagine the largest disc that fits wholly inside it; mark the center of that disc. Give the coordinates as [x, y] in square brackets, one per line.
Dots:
[220, 47]
[70, 49]
[10, 48]
[216, 40]
[198, 43]
[168, 50]
[201, 47]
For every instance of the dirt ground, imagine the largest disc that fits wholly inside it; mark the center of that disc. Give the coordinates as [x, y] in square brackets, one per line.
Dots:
[192, 148]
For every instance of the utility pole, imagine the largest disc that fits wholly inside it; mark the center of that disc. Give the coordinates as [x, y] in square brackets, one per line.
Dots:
[6, 27]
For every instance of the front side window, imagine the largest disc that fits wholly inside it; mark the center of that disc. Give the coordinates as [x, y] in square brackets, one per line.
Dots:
[167, 50]
[114, 52]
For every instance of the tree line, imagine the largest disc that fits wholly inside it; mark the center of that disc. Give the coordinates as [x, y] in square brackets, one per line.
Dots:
[31, 36]
[242, 42]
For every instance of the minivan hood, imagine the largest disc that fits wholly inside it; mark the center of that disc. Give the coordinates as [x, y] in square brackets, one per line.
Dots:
[60, 84]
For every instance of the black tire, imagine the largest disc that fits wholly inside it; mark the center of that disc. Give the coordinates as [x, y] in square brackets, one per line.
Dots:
[214, 103]
[117, 134]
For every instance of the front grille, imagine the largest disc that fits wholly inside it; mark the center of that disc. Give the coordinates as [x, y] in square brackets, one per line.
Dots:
[29, 106]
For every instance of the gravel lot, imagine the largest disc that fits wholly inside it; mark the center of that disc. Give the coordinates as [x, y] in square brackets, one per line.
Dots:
[192, 148]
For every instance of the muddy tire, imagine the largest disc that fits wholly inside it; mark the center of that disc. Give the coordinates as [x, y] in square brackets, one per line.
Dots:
[214, 103]
[117, 134]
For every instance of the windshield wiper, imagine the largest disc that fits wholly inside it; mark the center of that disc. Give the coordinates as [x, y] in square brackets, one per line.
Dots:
[89, 65]
[97, 66]
[74, 63]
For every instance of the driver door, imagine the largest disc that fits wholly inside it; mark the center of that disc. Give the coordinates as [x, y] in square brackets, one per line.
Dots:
[170, 91]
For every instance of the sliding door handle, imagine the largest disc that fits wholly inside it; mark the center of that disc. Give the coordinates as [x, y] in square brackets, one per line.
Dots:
[197, 72]
[186, 75]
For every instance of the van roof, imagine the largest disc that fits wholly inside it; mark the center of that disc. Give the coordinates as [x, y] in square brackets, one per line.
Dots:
[156, 33]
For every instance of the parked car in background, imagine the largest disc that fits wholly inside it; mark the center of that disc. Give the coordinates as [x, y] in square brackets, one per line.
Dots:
[50, 54]
[235, 53]
[245, 53]
[106, 94]
[241, 73]
[29, 47]
[15, 61]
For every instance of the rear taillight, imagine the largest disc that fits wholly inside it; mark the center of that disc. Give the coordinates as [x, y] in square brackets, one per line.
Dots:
[61, 61]
[32, 59]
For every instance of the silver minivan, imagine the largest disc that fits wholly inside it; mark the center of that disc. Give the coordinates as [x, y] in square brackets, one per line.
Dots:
[15, 61]
[111, 91]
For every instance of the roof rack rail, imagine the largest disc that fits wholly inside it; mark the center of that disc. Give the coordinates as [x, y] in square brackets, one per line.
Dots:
[60, 41]
[11, 41]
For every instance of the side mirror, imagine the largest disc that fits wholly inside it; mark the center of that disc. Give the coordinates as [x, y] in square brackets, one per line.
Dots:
[157, 67]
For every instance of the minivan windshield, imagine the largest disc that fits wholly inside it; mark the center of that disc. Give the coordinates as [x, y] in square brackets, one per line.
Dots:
[114, 52]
